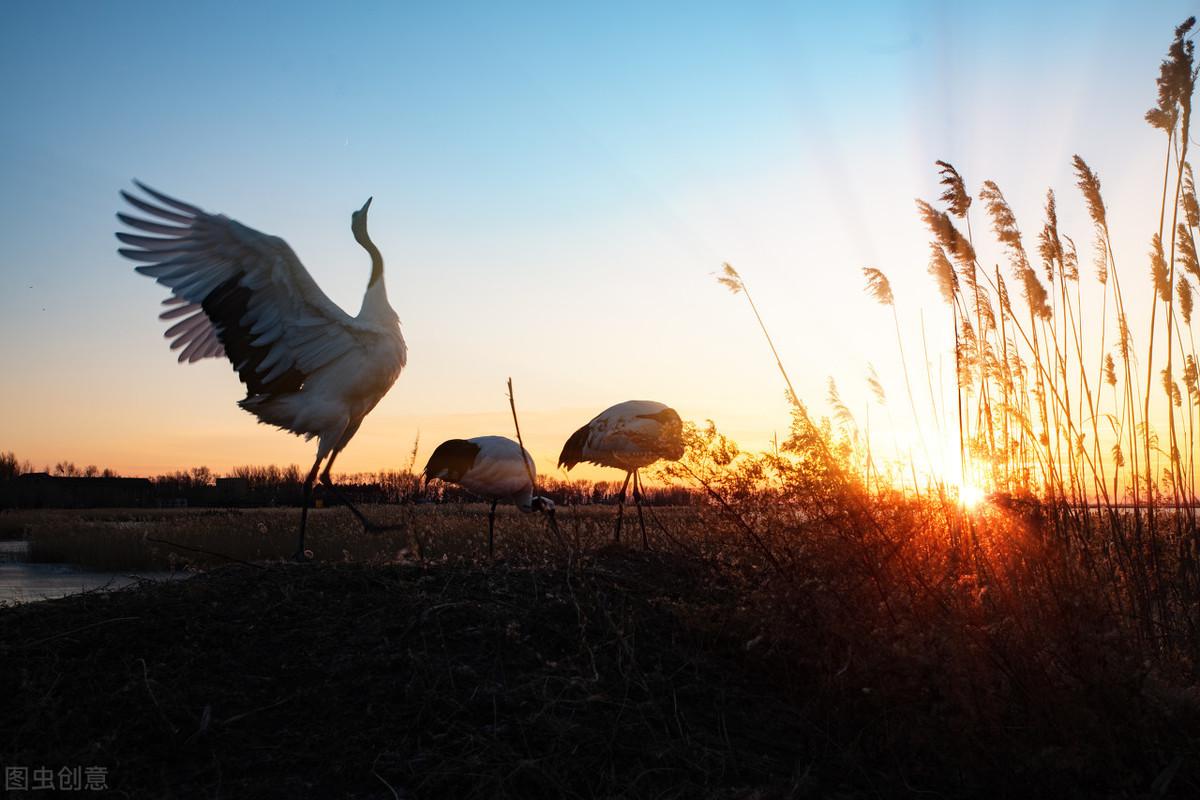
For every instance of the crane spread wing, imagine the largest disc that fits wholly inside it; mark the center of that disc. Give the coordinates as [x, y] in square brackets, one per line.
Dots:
[236, 292]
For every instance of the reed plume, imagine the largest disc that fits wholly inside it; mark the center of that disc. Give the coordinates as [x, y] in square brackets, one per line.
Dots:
[874, 384]
[1004, 224]
[947, 235]
[1124, 338]
[1050, 246]
[943, 273]
[1183, 292]
[1071, 260]
[1089, 185]
[955, 196]
[731, 280]
[1185, 251]
[1175, 81]
[879, 287]
[1158, 269]
[1191, 208]
[840, 412]
[1100, 263]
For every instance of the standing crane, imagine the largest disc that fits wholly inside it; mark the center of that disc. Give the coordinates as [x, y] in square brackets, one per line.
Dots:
[308, 366]
[627, 436]
[495, 468]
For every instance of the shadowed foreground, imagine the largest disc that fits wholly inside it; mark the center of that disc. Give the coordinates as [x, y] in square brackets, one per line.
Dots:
[632, 674]
[316, 681]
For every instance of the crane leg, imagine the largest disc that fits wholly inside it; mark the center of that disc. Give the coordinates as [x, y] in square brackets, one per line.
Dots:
[637, 499]
[621, 506]
[492, 529]
[327, 479]
[301, 554]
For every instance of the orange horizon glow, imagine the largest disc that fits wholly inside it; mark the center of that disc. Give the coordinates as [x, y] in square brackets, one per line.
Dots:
[384, 443]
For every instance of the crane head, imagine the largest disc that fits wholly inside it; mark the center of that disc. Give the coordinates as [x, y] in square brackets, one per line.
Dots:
[358, 221]
[546, 505]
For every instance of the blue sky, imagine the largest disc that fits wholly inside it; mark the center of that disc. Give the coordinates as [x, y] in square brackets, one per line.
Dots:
[554, 184]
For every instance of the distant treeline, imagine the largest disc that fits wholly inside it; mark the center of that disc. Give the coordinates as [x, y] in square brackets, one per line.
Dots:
[11, 467]
[66, 485]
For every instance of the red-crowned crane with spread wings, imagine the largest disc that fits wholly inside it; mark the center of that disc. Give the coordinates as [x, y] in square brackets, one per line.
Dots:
[308, 366]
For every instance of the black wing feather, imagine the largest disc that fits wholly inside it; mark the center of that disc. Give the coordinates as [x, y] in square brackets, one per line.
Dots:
[572, 452]
[226, 307]
[452, 459]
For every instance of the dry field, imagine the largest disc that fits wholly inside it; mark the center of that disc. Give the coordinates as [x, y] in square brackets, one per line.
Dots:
[157, 539]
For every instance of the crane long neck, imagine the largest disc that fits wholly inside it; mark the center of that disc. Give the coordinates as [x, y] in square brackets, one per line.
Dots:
[375, 302]
[376, 259]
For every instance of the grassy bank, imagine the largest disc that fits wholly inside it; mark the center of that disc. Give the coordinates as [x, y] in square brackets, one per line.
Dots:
[622, 674]
[323, 681]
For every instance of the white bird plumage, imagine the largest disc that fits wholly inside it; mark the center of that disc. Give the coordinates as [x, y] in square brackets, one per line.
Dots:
[493, 467]
[308, 366]
[627, 436]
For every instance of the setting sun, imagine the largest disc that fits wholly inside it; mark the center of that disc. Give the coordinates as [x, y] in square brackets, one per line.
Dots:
[970, 495]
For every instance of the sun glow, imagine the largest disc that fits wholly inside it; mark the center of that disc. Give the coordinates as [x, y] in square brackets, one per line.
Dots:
[970, 495]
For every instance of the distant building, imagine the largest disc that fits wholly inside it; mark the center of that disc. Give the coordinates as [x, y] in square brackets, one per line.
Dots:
[42, 490]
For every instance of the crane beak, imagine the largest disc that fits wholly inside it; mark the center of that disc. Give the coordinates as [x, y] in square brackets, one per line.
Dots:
[366, 205]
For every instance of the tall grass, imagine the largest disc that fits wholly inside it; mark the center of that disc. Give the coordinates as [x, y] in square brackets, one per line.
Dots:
[1075, 424]
[1030, 365]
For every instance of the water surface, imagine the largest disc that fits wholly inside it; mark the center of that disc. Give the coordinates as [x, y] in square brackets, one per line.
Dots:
[23, 581]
